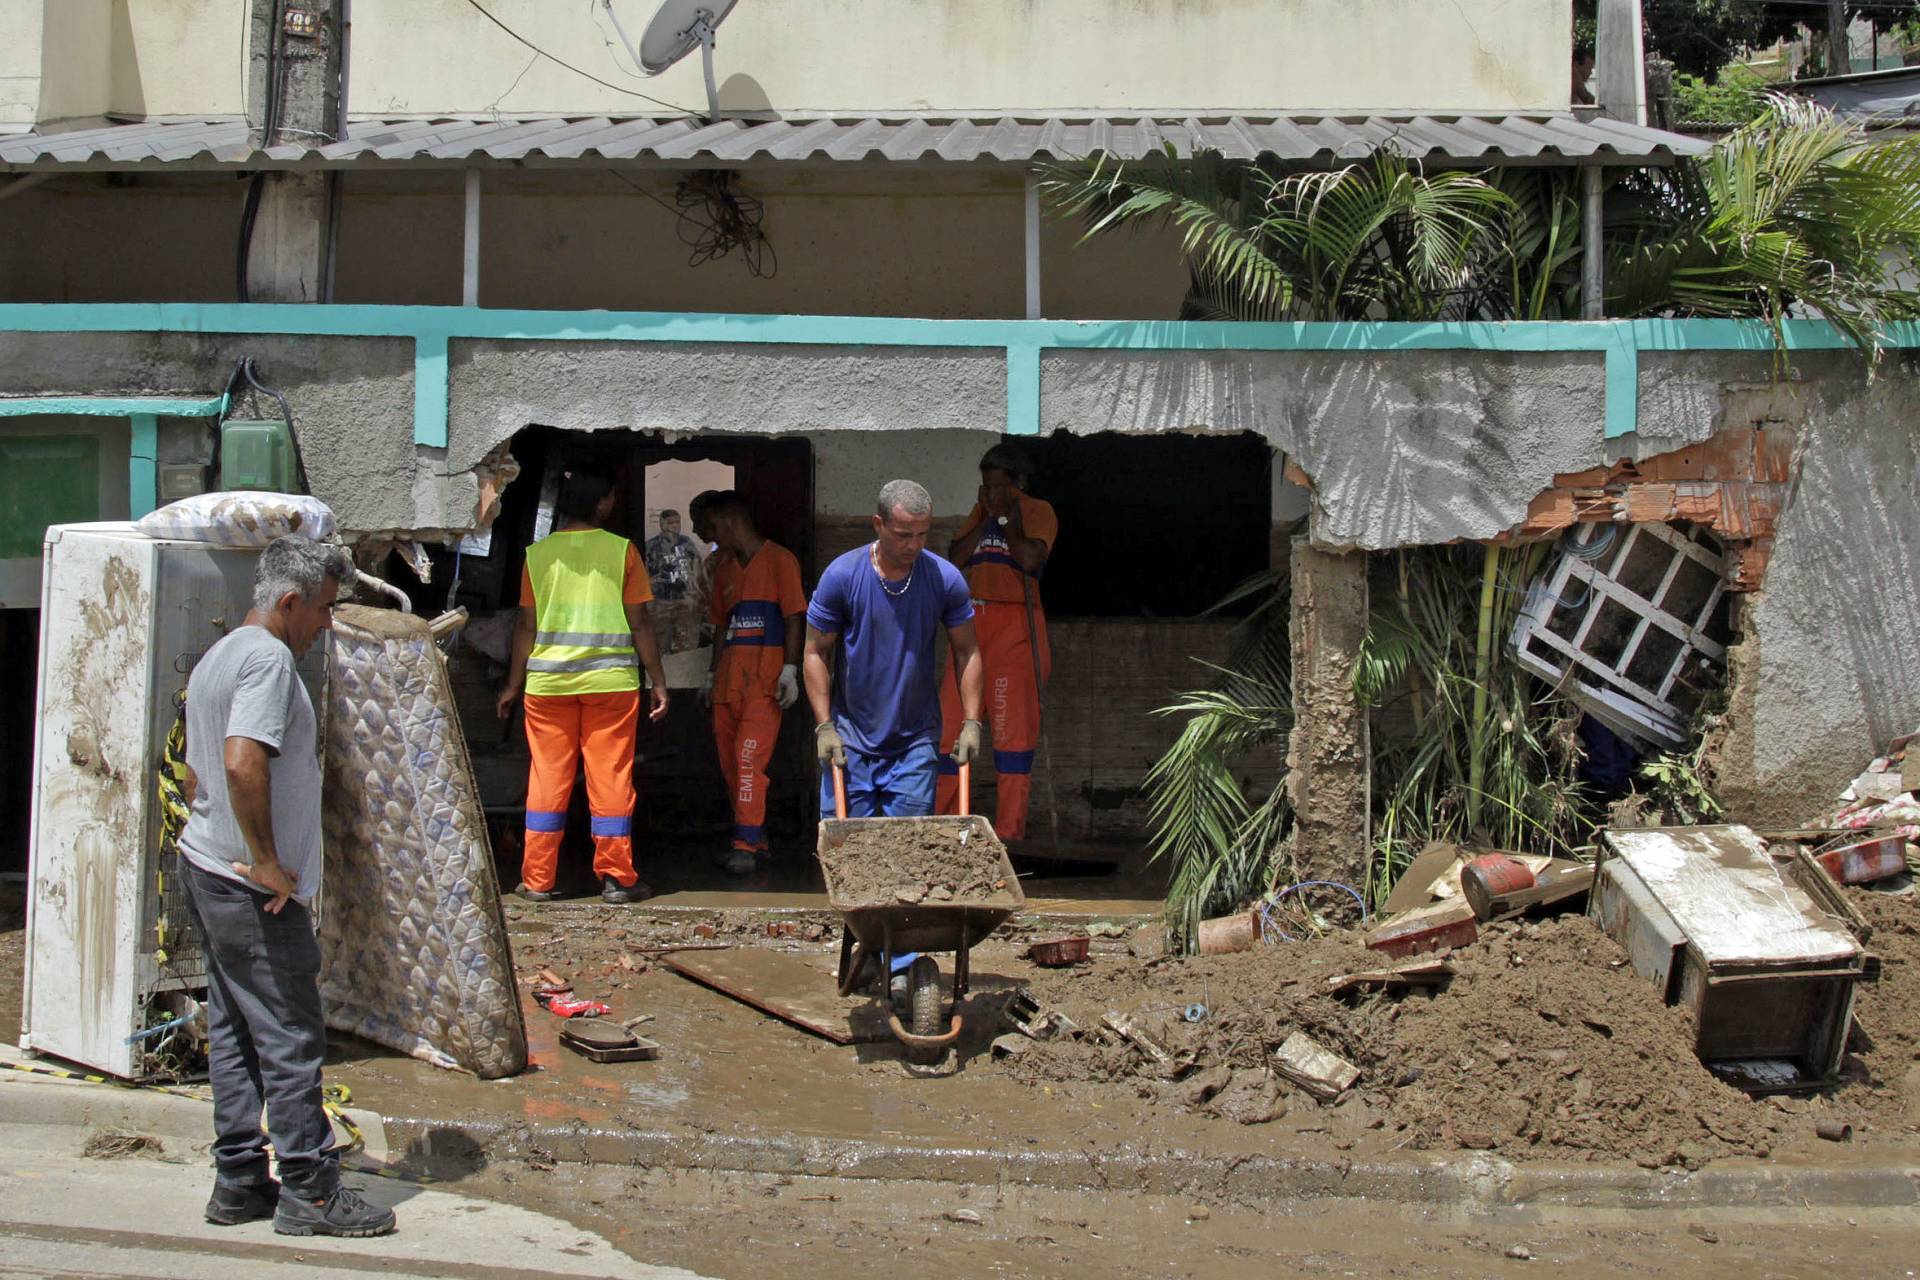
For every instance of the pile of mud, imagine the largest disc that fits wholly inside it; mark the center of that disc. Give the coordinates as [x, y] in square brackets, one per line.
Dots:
[1544, 1043]
[1881, 1075]
[911, 862]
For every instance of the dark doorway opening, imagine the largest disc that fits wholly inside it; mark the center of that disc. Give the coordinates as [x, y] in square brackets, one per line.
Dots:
[1152, 526]
[682, 815]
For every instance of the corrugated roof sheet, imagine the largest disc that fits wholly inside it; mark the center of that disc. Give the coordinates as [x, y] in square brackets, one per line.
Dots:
[204, 144]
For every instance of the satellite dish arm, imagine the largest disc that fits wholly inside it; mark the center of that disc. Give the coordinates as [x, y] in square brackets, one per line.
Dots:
[700, 29]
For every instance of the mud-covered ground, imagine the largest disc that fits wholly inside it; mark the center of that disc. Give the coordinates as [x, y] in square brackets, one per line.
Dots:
[1544, 1043]
[748, 1225]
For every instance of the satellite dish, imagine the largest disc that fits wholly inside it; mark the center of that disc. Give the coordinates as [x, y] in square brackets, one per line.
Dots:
[677, 29]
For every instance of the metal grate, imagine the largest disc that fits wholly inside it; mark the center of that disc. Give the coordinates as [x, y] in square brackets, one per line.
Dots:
[1631, 623]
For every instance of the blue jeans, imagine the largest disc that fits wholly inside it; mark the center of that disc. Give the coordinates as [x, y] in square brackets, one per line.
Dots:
[885, 786]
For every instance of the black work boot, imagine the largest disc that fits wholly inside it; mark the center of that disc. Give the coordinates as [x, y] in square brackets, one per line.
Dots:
[343, 1213]
[233, 1203]
[538, 895]
[612, 890]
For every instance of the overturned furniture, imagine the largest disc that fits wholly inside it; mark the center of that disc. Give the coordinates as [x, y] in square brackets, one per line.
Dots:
[1724, 929]
[413, 938]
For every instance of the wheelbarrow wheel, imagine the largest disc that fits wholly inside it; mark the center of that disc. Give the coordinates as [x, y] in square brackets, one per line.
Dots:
[923, 1002]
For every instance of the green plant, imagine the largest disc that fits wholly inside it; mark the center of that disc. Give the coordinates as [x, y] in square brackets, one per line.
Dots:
[1375, 238]
[1795, 211]
[1738, 96]
[1490, 755]
[1219, 840]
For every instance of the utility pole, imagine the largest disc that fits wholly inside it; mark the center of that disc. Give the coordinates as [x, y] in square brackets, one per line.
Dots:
[293, 98]
[1839, 48]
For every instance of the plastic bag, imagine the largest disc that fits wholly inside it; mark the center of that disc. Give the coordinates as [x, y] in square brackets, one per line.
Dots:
[246, 518]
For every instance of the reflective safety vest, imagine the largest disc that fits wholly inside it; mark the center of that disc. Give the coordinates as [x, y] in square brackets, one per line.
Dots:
[581, 642]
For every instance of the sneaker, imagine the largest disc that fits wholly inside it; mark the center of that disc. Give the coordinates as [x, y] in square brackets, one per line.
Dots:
[234, 1203]
[613, 891]
[738, 862]
[537, 895]
[343, 1213]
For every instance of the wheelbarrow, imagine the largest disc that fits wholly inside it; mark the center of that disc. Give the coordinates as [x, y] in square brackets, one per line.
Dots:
[887, 931]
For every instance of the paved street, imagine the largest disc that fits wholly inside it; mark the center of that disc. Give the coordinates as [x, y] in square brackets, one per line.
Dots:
[65, 1215]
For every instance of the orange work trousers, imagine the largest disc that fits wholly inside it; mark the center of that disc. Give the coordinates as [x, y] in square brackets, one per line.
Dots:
[561, 730]
[1012, 712]
[745, 732]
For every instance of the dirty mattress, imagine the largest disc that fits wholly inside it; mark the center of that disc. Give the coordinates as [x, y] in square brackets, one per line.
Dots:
[413, 939]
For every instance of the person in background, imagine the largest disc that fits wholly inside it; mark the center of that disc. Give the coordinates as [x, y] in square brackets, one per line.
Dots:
[673, 561]
[584, 636]
[882, 605]
[250, 857]
[1002, 548]
[755, 604]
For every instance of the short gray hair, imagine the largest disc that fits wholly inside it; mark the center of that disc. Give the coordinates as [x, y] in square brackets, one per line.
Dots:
[905, 494]
[297, 564]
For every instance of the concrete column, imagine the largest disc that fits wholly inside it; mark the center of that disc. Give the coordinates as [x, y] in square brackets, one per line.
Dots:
[293, 97]
[1328, 763]
[1619, 62]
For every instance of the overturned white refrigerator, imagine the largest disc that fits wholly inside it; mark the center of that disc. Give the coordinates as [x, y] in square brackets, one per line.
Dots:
[110, 949]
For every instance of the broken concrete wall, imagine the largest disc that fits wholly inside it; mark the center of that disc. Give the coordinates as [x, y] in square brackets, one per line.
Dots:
[1828, 668]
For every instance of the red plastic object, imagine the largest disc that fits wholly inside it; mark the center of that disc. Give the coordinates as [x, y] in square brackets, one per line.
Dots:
[1867, 861]
[1429, 929]
[1059, 953]
[565, 1006]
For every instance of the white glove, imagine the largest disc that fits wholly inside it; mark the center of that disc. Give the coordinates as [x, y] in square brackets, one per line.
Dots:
[706, 688]
[789, 691]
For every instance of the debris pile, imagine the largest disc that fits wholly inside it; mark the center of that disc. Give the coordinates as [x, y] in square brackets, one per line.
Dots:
[1543, 1041]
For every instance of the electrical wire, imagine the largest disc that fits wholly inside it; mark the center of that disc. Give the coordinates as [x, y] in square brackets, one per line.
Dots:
[608, 84]
[714, 219]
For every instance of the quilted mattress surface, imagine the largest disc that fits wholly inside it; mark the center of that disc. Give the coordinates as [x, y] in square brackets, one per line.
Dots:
[413, 940]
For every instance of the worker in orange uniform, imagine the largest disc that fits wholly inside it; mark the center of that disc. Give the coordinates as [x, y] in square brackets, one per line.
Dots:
[757, 609]
[1001, 549]
[584, 634]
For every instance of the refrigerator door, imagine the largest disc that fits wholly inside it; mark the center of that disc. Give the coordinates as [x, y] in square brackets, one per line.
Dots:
[92, 773]
[124, 618]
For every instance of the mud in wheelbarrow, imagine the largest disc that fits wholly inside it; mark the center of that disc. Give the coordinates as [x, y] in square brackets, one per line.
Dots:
[882, 876]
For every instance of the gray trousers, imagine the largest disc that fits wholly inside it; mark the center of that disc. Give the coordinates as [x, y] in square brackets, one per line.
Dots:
[266, 1039]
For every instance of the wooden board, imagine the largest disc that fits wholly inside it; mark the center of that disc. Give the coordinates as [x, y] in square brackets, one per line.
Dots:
[797, 988]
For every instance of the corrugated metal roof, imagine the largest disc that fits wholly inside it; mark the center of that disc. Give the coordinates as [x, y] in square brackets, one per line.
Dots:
[211, 144]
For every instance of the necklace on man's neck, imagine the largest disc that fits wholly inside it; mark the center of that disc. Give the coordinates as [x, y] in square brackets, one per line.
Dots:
[873, 554]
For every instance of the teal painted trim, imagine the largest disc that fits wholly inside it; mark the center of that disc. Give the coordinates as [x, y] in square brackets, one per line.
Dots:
[1164, 335]
[111, 406]
[432, 328]
[1023, 390]
[430, 390]
[143, 471]
[1622, 398]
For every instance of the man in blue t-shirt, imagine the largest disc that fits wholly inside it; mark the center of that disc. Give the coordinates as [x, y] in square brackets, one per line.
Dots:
[884, 604]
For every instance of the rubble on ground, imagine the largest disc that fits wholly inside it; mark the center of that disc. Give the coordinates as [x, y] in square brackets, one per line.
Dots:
[1543, 1043]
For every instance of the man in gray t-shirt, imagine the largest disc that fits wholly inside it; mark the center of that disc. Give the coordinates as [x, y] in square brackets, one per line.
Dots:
[251, 863]
[246, 687]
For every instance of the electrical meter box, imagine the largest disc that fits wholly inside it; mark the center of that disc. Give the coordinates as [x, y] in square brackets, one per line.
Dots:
[257, 455]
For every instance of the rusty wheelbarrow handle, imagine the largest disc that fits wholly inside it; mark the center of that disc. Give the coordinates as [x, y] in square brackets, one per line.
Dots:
[913, 1041]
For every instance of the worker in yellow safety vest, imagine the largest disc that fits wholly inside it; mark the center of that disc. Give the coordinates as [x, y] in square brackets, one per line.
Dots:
[582, 639]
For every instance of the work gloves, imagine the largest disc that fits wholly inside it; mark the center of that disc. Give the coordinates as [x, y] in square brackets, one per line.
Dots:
[706, 689]
[827, 747]
[967, 745]
[789, 691]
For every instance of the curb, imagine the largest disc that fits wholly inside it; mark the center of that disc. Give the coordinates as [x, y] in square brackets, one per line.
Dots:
[1477, 1182]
